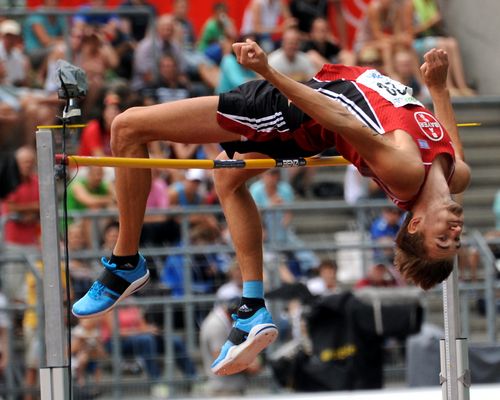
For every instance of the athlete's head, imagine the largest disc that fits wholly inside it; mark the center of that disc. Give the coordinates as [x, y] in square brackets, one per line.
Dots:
[427, 244]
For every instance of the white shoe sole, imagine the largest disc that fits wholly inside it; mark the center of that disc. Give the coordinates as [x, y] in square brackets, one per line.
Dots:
[239, 357]
[134, 287]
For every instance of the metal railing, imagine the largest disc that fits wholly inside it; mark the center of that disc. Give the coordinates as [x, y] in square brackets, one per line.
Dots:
[189, 302]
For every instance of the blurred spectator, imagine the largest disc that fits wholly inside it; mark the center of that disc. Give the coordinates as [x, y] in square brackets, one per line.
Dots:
[424, 23]
[15, 62]
[202, 71]
[383, 230]
[289, 60]
[378, 275]
[146, 56]
[110, 235]
[139, 24]
[232, 73]
[404, 72]
[326, 282]
[41, 32]
[143, 340]
[321, 50]
[381, 32]
[207, 269]
[265, 19]
[214, 30]
[138, 339]
[306, 11]
[96, 57]
[113, 29]
[9, 172]
[92, 51]
[90, 192]
[189, 192]
[22, 229]
[4, 338]
[495, 233]
[180, 12]
[234, 286]
[386, 224]
[96, 136]
[106, 22]
[356, 186]
[270, 190]
[496, 210]
[213, 333]
[159, 230]
[9, 114]
[81, 272]
[22, 108]
[87, 349]
[468, 263]
[169, 86]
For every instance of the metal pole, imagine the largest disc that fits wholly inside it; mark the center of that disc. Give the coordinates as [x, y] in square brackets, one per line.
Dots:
[454, 379]
[168, 343]
[54, 377]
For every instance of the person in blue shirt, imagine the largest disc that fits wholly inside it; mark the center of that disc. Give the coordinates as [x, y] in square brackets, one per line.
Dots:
[42, 31]
[232, 73]
[271, 190]
[384, 229]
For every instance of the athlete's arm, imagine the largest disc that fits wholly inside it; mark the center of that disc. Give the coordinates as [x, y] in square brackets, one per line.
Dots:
[434, 71]
[377, 150]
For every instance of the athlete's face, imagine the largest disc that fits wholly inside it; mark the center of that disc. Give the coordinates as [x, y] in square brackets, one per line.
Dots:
[442, 229]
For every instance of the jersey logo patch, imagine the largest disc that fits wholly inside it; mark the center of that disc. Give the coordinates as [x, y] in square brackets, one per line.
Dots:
[423, 144]
[429, 125]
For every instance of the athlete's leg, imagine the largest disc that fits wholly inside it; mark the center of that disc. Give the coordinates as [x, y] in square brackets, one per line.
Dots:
[242, 216]
[186, 121]
[253, 329]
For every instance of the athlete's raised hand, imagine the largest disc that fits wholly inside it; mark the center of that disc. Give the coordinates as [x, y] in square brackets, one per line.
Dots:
[435, 69]
[251, 56]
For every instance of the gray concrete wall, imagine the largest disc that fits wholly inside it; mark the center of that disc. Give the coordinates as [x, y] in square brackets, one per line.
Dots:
[476, 26]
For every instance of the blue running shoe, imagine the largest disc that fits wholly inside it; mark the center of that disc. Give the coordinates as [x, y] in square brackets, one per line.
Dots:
[246, 340]
[114, 284]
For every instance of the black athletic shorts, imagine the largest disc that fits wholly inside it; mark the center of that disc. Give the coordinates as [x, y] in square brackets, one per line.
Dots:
[259, 112]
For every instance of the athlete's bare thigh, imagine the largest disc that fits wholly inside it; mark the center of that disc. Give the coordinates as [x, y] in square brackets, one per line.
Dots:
[185, 121]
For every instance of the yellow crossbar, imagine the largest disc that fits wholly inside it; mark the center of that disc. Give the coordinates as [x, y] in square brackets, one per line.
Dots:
[74, 126]
[202, 164]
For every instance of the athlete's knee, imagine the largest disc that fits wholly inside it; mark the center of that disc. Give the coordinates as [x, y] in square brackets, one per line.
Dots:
[227, 181]
[124, 131]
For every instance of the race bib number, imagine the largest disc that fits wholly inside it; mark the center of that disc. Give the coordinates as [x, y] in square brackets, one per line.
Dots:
[394, 91]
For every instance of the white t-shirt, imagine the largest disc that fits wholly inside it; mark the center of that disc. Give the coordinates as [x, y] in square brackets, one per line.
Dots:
[300, 68]
[15, 65]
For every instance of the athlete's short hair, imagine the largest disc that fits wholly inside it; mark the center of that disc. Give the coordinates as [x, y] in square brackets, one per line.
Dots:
[412, 261]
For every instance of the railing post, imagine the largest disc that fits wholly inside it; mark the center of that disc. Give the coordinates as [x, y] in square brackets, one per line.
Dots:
[488, 261]
[168, 342]
[189, 314]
